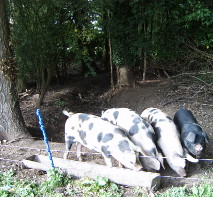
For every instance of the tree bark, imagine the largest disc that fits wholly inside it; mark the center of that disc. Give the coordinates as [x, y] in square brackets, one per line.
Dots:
[11, 121]
[111, 65]
[125, 77]
[110, 55]
[144, 67]
[45, 82]
[144, 60]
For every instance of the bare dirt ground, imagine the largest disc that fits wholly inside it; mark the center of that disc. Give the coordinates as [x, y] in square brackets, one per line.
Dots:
[92, 95]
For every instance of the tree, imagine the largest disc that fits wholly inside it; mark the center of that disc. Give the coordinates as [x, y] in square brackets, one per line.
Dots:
[122, 31]
[11, 121]
[36, 41]
[84, 38]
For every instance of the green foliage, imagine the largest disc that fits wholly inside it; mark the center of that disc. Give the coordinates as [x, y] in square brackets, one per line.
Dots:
[56, 180]
[204, 190]
[11, 186]
[123, 31]
[36, 37]
[50, 34]
[197, 20]
[59, 103]
[6, 178]
[100, 187]
[83, 39]
[158, 28]
[35, 32]
[140, 192]
[47, 34]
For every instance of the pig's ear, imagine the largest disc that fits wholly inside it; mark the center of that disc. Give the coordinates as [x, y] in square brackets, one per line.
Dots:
[206, 137]
[183, 106]
[160, 159]
[191, 137]
[190, 158]
[140, 150]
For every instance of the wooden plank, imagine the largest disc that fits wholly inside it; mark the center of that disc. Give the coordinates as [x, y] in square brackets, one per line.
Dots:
[83, 169]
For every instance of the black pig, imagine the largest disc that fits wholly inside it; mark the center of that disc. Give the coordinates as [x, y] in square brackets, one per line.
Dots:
[192, 135]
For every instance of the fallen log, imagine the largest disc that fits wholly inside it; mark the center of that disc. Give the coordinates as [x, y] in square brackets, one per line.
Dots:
[83, 169]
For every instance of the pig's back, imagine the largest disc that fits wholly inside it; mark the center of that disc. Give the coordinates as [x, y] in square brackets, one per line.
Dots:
[183, 116]
[138, 130]
[168, 137]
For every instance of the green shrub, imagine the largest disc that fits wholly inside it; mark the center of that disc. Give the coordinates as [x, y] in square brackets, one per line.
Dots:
[204, 190]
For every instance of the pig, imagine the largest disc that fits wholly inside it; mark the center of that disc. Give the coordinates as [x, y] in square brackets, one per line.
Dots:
[101, 136]
[192, 135]
[140, 133]
[168, 139]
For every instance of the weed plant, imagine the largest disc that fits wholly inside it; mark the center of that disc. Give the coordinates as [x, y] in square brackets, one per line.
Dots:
[59, 184]
[202, 190]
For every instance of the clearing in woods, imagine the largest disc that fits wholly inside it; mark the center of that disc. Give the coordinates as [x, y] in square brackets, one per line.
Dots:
[92, 95]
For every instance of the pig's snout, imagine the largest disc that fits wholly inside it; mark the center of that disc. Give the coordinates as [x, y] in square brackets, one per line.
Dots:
[132, 161]
[137, 164]
[138, 167]
[198, 148]
[181, 172]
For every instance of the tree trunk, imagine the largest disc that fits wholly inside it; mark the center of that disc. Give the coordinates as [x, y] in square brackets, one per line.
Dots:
[144, 67]
[125, 77]
[44, 85]
[111, 65]
[110, 56]
[11, 121]
[144, 60]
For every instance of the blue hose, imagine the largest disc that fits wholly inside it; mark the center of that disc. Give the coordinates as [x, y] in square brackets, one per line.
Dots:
[45, 137]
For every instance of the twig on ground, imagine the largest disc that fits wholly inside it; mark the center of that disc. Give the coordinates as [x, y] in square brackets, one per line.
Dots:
[168, 76]
[191, 75]
[175, 100]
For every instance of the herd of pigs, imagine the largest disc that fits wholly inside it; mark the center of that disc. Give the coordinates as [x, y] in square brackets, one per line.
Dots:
[139, 142]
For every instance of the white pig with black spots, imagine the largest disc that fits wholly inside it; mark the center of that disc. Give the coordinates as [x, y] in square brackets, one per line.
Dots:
[140, 133]
[101, 136]
[168, 139]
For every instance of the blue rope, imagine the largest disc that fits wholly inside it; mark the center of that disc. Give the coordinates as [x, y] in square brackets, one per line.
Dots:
[45, 137]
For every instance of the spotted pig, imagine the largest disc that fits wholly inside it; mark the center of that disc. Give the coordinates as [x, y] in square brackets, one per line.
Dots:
[101, 136]
[168, 139]
[192, 135]
[140, 133]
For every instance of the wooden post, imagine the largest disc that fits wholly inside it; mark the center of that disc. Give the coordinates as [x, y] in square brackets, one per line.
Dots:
[83, 169]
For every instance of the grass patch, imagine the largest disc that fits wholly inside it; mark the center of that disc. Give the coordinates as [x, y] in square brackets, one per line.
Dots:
[57, 185]
[99, 187]
[203, 190]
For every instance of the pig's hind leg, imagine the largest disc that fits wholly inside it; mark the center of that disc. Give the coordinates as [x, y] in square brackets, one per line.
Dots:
[69, 142]
[107, 156]
[78, 151]
[108, 160]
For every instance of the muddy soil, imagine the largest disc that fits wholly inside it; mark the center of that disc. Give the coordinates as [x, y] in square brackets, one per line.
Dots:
[92, 95]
